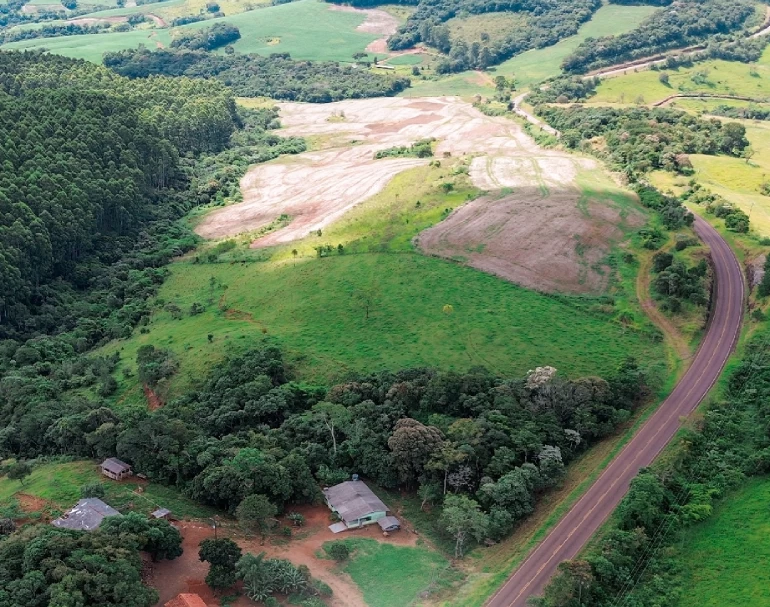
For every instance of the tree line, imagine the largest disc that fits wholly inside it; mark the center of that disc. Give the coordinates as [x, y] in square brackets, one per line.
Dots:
[276, 76]
[679, 25]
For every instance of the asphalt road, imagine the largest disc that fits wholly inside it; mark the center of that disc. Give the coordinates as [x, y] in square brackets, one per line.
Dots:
[566, 540]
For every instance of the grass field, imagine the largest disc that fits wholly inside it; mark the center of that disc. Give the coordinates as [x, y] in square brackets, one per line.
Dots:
[315, 308]
[739, 181]
[727, 555]
[392, 576]
[58, 484]
[496, 25]
[537, 65]
[307, 29]
[714, 77]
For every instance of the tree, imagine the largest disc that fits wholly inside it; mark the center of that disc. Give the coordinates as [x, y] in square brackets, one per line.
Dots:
[155, 536]
[254, 512]
[222, 555]
[332, 416]
[7, 526]
[462, 518]
[19, 471]
[663, 78]
[413, 444]
[764, 286]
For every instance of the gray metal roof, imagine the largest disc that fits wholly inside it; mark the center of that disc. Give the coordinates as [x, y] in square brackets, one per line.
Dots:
[86, 515]
[114, 465]
[161, 512]
[353, 500]
[389, 523]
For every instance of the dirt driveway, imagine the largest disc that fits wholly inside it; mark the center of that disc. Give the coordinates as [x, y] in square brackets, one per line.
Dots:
[187, 573]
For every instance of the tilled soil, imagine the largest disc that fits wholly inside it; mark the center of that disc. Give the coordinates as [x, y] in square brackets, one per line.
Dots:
[540, 234]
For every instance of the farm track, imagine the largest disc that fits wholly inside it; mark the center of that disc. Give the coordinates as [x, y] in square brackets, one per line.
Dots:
[576, 528]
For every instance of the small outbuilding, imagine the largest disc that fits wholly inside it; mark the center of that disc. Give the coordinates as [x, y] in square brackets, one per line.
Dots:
[115, 469]
[186, 600]
[161, 513]
[356, 505]
[389, 523]
[86, 515]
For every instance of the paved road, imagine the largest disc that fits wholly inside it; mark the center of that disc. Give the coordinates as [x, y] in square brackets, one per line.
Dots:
[565, 541]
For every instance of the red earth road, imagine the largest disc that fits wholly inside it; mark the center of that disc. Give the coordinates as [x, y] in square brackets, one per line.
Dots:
[566, 540]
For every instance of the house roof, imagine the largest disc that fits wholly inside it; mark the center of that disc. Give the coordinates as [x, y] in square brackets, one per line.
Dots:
[389, 523]
[161, 512]
[114, 465]
[186, 600]
[353, 500]
[86, 515]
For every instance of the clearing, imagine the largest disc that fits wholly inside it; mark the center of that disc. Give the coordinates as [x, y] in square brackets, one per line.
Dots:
[378, 22]
[727, 555]
[351, 588]
[547, 232]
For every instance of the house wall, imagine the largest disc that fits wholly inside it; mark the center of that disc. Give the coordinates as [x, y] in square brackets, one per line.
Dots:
[368, 520]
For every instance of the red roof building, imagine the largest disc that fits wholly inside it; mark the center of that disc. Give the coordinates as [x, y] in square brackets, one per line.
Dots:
[186, 600]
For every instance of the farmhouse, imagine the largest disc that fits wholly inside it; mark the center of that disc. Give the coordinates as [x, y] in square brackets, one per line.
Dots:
[115, 469]
[357, 505]
[86, 515]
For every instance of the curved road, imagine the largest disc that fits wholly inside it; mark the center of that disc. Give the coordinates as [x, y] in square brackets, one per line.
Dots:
[566, 540]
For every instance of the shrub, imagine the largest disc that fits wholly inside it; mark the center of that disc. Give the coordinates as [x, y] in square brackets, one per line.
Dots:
[95, 489]
[339, 551]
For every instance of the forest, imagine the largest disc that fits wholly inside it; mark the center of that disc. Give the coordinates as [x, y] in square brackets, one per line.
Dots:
[680, 25]
[276, 76]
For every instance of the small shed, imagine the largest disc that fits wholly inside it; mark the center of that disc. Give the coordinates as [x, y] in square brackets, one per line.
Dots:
[86, 515]
[115, 469]
[161, 513]
[355, 504]
[389, 523]
[186, 600]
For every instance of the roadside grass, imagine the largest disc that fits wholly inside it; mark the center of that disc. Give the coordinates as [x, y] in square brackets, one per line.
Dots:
[727, 555]
[711, 77]
[536, 65]
[389, 575]
[58, 483]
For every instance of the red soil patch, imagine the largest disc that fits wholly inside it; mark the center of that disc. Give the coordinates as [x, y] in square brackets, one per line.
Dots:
[30, 503]
[187, 573]
[521, 237]
[153, 400]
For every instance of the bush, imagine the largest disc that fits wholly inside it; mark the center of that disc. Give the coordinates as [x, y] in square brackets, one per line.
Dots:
[339, 551]
[95, 489]
[296, 518]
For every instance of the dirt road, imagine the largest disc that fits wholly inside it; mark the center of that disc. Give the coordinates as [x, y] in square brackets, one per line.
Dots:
[567, 539]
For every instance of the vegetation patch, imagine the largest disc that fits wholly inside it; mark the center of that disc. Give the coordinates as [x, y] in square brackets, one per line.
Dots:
[392, 576]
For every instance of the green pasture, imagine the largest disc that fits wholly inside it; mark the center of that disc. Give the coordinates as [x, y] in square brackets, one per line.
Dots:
[536, 65]
[59, 485]
[726, 557]
[738, 180]
[709, 77]
[307, 29]
[496, 26]
[392, 576]
[92, 46]
[421, 310]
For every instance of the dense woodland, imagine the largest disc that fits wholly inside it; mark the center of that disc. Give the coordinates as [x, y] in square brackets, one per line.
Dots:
[637, 140]
[276, 76]
[547, 23]
[677, 26]
[636, 562]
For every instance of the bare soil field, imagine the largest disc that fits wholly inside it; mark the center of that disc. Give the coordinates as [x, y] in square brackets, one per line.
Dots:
[540, 234]
[187, 573]
[377, 22]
